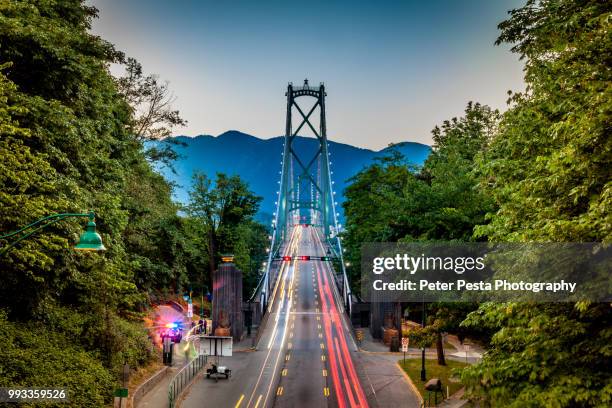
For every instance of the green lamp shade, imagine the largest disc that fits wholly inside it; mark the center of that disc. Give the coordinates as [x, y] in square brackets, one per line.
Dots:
[90, 240]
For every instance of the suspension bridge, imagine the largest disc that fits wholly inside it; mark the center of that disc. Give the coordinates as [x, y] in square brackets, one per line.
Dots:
[304, 352]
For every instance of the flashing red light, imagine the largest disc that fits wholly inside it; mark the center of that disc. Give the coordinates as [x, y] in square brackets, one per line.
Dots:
[286, 258]
[304, 258]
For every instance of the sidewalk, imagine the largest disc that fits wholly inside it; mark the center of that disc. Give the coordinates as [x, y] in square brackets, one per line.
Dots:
[158, 396]
[458, 352]
[384, 382]
[467, 349]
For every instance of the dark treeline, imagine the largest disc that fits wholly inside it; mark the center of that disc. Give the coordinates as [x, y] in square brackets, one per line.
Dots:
[539, 172]
[71, 140]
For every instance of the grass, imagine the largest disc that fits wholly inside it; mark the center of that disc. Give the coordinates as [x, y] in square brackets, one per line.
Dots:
[412, 367]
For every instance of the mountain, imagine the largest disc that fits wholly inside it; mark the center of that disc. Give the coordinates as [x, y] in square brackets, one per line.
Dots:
[258, 161]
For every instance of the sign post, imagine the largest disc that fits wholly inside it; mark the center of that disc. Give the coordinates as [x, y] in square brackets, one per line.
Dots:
[190, 309]
[405, 342]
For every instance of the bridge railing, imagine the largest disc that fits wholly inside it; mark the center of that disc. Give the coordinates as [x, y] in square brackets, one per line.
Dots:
[184, 377]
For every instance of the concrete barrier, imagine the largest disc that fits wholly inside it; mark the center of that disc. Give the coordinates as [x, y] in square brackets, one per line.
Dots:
[148, 385]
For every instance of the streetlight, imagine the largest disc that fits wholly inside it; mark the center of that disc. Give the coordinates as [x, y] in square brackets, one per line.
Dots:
[90, 240]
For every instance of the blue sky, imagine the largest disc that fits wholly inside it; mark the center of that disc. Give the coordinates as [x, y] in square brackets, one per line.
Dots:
[393, 70]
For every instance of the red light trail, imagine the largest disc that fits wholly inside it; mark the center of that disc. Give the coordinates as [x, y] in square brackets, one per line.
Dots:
[339, 356]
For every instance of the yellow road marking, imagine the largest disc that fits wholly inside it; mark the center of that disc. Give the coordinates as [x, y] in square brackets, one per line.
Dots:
[320, 335]
[291, 335]
[323, 357]
[279, 391]
[239, 401]
[319, 327]
[284, 372]
[318, 317]
[322, 346]
[258, 401]
[325, 391]
[287, 357]
[289, 345]
[324, 373]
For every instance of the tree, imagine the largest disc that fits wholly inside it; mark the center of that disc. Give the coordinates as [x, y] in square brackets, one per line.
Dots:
[153, 117]
[548, 170]
[65, 146]
[458, 206]
[390, 201]
[223, 208]
[150, 102]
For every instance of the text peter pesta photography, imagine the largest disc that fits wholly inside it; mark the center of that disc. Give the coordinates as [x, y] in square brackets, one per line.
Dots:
[432, 272]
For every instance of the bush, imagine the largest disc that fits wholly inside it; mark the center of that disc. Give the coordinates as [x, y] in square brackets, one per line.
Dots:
[33, 355]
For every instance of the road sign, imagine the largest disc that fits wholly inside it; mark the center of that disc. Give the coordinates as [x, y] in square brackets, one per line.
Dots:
[405, 343]
[220, 346]
[121, 392]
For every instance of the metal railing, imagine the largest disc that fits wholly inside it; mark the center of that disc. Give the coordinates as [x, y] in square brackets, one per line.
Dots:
[184, 377]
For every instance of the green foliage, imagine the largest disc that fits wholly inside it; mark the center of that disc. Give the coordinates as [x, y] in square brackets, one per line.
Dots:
[31, 355]
[388, 201]
[547, 169]
[226, 209]
[545, 356]
[538, 173]
[68, 145]
[549, 166]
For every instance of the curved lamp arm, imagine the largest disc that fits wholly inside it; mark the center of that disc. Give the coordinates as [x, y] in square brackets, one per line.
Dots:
[38, 225]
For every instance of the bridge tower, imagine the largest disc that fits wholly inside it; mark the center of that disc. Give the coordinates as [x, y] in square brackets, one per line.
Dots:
[305, 192]
[306, 189]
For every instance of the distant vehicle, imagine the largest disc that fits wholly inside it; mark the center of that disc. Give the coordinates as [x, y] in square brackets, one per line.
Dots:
[218, 371]
[174, 331]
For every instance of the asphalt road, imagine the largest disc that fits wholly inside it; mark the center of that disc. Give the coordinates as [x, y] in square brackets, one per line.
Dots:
[305, 357]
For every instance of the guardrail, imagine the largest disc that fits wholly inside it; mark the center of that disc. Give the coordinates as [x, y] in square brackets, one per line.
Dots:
[184, 377]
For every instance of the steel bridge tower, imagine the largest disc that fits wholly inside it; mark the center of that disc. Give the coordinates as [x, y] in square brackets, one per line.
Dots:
[305, 194]
[306, 188]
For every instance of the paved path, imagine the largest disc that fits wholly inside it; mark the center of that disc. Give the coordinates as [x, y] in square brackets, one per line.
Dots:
[384, 383]
[158, 396]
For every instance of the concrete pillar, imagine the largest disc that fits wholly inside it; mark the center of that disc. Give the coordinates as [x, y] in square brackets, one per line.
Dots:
[227, 298]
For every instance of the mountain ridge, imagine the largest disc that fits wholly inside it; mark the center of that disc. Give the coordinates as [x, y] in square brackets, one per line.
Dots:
[253, 159]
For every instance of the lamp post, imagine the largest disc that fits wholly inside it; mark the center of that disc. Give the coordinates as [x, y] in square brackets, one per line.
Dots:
[90, 240]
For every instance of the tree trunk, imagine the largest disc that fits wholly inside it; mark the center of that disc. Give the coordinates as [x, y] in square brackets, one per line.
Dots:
[440, 350]
[211, 254]
[398, 320]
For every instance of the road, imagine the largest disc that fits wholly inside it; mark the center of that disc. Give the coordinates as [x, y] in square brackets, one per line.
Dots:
[305, 356]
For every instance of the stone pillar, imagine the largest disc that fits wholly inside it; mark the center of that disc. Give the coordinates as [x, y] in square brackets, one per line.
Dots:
[227, 300]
